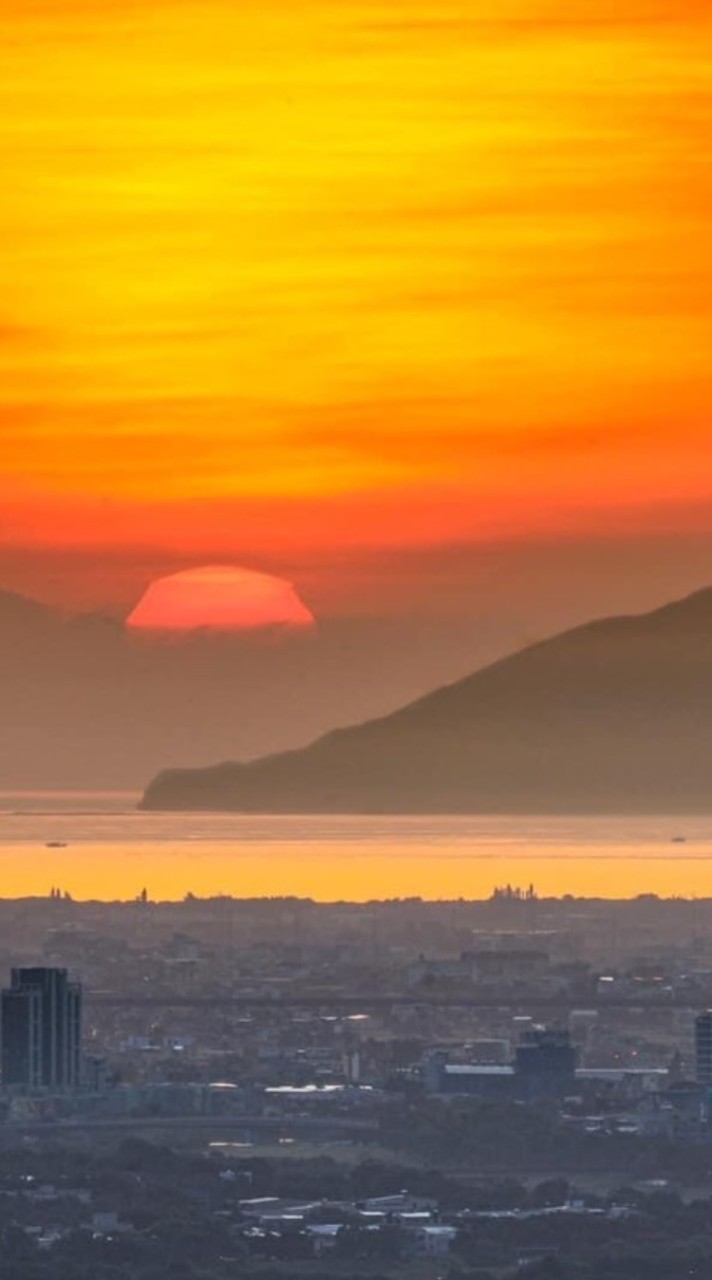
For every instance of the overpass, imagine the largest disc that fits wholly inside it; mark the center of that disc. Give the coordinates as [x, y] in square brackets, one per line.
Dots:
[349, 1003]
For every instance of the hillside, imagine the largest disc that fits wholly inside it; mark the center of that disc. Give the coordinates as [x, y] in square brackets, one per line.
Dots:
[87, 704]
[612, 716]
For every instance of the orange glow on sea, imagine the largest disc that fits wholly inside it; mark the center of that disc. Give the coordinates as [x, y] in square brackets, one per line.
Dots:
[359, 860]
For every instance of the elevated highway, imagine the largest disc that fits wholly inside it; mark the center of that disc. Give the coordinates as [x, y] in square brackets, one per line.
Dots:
[375, 1002]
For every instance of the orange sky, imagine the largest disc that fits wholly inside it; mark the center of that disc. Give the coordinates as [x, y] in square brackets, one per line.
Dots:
[347, 272]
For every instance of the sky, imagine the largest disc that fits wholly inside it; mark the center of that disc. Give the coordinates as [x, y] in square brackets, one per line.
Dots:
[381, 294]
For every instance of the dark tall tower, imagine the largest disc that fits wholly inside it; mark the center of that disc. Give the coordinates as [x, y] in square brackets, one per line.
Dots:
[42, 1030]
[703, 1047]
[545, 1063]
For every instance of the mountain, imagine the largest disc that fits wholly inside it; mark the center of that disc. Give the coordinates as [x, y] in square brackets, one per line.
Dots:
[613, 716]
[86, 704]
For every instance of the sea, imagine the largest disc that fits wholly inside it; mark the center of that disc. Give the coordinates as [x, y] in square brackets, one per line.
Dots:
[98, 845]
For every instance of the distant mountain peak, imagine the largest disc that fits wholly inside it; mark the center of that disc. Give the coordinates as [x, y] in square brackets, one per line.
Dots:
[614, 715]
[15, 607]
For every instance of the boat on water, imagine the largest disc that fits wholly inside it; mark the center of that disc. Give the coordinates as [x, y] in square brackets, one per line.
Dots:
[56, 844]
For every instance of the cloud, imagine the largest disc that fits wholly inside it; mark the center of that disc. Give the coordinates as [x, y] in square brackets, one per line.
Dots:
[355, 269]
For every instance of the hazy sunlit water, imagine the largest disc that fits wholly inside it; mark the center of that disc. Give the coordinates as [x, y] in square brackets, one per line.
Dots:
[113, 852]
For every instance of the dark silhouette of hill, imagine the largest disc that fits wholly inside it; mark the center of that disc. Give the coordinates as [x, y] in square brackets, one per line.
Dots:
[612, 716]
[86, 704]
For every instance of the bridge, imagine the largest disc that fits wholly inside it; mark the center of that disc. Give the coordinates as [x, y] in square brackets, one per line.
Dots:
[372, 1002]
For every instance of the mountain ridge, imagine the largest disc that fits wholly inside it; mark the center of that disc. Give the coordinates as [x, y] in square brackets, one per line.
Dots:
[89, 705]
[615, 715]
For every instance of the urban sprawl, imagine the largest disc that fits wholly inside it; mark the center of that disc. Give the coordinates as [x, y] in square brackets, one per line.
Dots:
[213, 1088]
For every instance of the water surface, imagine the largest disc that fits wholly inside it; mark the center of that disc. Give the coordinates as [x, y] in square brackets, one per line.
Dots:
[112, 851]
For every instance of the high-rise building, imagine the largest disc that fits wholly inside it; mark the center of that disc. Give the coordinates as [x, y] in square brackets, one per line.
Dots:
[545, 1062]
[41, 1030]
[544, 1066]
[703, 1047]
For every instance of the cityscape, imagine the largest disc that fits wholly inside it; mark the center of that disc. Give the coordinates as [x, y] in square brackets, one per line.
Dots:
[355, 640]
[396, 1086]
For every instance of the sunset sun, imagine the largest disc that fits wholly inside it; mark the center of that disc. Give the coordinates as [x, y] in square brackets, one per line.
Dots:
[220, 598]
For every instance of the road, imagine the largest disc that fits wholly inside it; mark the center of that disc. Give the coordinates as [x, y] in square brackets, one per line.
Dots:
[299, 1126]
[364, 1003]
